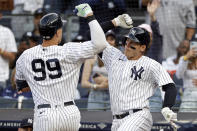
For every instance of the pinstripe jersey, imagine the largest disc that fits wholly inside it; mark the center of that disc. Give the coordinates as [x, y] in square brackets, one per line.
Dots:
[132, 82]
[52, 72]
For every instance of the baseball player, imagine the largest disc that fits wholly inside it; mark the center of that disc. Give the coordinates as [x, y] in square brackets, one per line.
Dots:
[133, 78]
[52, 72]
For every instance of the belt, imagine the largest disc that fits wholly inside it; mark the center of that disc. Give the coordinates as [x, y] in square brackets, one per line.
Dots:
[49, 106]
[121, 116]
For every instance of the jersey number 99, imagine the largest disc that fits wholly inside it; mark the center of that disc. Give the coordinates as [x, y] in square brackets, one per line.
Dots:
[41, 68]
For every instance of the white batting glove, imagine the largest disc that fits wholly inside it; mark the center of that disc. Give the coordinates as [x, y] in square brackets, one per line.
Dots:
[124, 21]
[169, 115]
[83, 10]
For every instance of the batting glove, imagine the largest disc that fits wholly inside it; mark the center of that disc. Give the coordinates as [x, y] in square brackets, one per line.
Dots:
[169, 115]
[124, 21]
[83, 10]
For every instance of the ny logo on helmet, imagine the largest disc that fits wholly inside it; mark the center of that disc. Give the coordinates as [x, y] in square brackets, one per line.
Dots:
[133, 32]
[136, 74]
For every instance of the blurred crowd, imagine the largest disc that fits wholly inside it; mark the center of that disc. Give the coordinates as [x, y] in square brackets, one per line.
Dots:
[172, 28]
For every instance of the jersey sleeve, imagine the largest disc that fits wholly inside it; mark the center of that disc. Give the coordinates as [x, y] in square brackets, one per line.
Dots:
[110, 53]
[80, 51]
[19, 69]
[160, 75]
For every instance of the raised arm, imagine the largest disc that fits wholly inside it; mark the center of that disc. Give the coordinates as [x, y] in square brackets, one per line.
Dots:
[155, 50]
[123, 21]
[100, 81]
[96, 32]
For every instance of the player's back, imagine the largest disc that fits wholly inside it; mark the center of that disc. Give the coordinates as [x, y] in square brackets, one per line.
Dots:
[50, 73]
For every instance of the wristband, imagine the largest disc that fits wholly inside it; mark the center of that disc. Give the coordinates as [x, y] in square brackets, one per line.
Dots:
[1, 53]
[90, 18]
[185, 58]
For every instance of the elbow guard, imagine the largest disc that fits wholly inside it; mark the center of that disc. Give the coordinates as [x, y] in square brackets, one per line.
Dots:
[20, 84]
[170, 95]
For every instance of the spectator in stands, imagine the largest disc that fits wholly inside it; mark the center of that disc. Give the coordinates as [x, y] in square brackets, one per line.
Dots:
[7, 54]
[111, 38]
[27, 41]
[38, 14]
[171, 65]
[24, 23]
[187, 70]
[155, 50]
[177, 22]
[104, 10]
[95, 77]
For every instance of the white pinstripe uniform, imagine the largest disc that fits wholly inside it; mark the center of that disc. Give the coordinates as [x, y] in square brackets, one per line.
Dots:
[131, 83]
[52, 74]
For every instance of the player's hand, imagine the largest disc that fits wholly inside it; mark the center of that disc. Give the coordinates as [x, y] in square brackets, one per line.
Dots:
[83, 10]
[123, 21]
[174, 126]
[169, 115]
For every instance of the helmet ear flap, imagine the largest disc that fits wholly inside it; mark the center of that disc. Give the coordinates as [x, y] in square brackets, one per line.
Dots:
[48, 32]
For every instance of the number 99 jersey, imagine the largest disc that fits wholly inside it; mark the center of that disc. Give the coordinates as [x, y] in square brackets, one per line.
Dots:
[52, 72]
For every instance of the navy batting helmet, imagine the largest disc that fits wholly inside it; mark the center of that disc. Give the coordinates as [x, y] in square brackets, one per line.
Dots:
[49, 24]
[139, 35]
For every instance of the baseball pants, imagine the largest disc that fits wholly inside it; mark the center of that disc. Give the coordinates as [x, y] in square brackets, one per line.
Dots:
[60, 118]
[138, 121]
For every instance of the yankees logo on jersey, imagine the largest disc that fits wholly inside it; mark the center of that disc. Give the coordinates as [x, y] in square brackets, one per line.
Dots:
[136, 73]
